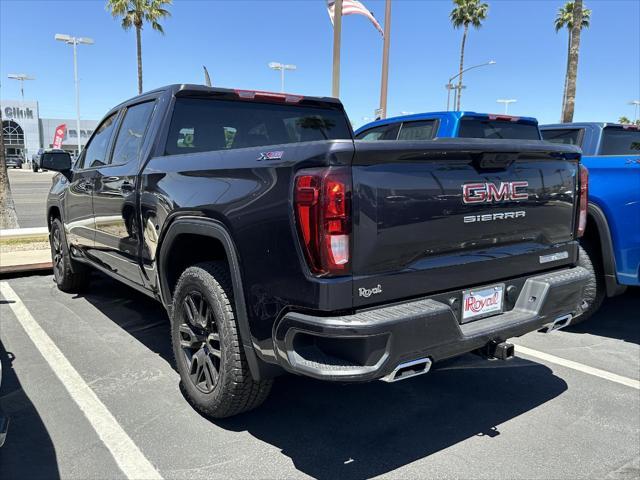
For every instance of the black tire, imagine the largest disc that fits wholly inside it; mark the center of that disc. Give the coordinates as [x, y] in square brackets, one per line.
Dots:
[69, 275]
[594, 291]
[207, 349]
[34, 167]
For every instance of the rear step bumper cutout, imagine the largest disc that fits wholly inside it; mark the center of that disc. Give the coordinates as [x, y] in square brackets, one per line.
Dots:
[376, 343]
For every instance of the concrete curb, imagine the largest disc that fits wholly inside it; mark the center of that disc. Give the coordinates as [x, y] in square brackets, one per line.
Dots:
[24, 233]
[31, 267]
[25, 261]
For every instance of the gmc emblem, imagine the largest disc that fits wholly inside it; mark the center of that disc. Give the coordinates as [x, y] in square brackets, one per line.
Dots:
[491, 193]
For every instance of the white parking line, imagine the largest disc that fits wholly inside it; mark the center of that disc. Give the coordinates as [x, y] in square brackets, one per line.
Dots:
[629, 382]
[125, 452]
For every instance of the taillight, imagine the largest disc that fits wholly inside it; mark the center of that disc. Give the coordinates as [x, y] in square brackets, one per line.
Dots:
[322, 200]
[584, 194]
[278, 97]
[507, 118]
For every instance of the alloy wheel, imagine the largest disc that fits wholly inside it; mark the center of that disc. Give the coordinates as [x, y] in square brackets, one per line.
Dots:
[200, 342]
[57, 253]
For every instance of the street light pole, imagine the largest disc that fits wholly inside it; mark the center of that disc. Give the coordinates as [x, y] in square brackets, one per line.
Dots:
[282, 67]
[21, 77]
[449, 86]
[635, 103]
[76, 82]
[74, 41]
[506, 102]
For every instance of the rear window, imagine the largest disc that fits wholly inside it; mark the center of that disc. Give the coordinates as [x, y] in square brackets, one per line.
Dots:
[618, 141]
[484, 128]
[564, 136]
[201, 125]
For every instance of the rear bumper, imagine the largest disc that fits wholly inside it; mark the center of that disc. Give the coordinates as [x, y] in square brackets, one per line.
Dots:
[370, 344]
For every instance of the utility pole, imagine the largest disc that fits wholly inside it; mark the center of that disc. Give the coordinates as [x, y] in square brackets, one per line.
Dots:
[384, 84]
[337, 36]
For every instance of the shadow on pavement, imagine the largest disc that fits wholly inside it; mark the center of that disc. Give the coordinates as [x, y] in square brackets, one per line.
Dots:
[360, 431]
[28, 451]
[619, 317]
[357, 431]
[142, 317]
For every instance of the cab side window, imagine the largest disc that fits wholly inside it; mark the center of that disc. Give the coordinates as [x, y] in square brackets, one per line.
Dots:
[419, 130]
[95, 154]
[383, 132]
[131, 133]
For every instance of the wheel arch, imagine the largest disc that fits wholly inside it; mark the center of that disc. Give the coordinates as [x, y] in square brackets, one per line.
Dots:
[215, 230]
[53, 211]
[605, 248]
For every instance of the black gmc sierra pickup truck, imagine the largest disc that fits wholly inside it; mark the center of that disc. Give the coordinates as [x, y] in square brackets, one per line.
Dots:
[278, 243]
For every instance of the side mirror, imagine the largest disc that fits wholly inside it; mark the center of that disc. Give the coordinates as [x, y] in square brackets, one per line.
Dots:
[56, 161]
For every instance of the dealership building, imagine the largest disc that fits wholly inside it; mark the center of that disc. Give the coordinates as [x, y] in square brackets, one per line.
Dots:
[25, 132]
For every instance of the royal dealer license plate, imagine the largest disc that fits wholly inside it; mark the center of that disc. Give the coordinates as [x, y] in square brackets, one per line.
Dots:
[482, 302]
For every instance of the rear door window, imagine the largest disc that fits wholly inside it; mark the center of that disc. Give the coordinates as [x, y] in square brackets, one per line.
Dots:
[565, 136]
[620, 141]
[421, 130]
[201, 125]
[472, 127]
[383, 132]
[131, 133]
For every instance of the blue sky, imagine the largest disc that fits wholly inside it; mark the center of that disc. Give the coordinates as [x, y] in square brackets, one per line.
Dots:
[236, 39]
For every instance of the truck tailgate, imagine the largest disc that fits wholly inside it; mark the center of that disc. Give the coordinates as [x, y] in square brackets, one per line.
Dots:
[446, 214]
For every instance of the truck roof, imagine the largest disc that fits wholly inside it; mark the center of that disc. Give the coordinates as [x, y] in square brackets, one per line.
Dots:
[581, 125]
[454, 115]
[188, 88]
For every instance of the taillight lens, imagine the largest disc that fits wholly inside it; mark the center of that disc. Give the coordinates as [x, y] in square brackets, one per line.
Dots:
[322, 200]
[584, 200]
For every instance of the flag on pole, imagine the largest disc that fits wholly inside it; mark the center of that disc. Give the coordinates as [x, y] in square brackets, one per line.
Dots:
[59, 136]
[353, 7]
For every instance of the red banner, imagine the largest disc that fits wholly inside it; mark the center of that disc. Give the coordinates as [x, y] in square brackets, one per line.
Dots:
[59, 135]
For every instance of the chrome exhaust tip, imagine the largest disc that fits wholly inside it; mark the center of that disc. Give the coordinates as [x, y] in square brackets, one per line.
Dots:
[408, 369]
[557, 324]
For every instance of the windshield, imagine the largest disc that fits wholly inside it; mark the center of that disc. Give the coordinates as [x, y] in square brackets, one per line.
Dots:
[620, 141]
[471, 127]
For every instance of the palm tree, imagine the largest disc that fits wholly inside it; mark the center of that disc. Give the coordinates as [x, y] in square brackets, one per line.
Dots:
[465, 13]
[624, 120]
[564, 18]
[135, 13]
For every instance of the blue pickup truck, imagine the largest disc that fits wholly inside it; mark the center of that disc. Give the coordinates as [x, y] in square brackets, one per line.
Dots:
[611, 153]
[427, 126]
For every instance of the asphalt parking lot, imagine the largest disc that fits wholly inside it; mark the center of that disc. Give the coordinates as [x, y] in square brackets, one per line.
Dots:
[526, 418]
[29, 191]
